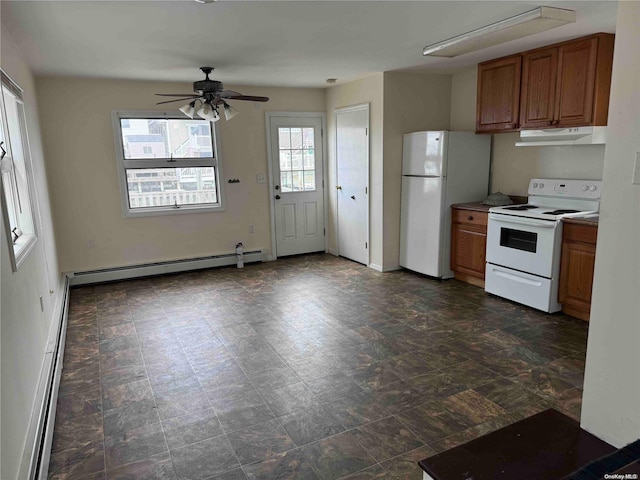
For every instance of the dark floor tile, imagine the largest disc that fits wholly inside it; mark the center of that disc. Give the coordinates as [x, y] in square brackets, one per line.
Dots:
[386, 438]
[181, 401]
[235, 474]
[260, 441]
[289, 465]
[120, 343]
[123, 394]
[290, 399]
[134, 445]
[78, 377]
[373, 375]
[164, 380]
[121, 358]
[472, 406]
[204, 459]
[192, 428]
[78, 461]
[370, 473]
[507, 394]
[570, 369]
[77, 431]
[542, 382]
[78, 404]
[358, 409]
[337, 456]
[224, 374]
[311, 424]
[399, 396]
[411, 365]
[122, 375]
[432, 422]
[157, 467]
[273, 378]
[333, 387]
[130, 416]
[405, 466]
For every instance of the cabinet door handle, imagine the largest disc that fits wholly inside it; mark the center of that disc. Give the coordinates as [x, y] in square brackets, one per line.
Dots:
[470, 217]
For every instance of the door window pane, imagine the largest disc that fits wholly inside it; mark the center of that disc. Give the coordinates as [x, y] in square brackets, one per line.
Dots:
[297, 159]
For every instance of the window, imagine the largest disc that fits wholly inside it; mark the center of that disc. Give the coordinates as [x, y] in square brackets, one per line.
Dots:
[17, 204]
[297, 159]
[168, 163]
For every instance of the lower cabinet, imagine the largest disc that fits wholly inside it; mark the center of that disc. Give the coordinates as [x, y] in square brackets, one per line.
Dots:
[576, 269]
[468, 245]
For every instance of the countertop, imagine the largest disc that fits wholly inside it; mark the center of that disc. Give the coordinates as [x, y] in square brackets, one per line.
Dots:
[475, 206]
[589, 221]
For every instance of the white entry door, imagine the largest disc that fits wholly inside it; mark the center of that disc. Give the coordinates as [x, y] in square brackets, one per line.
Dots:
[297, 185]
[352, 182]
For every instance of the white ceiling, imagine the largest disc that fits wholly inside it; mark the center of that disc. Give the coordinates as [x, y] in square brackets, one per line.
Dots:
[285, 43]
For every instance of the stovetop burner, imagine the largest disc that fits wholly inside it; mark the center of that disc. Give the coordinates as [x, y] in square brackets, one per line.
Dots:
[520, 207]
[560, 212]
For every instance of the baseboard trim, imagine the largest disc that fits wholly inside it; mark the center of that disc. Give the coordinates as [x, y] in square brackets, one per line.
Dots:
[36, 455]
[382, 269]
[160, 268]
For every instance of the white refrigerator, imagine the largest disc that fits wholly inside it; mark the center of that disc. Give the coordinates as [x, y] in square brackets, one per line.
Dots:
[438, 170]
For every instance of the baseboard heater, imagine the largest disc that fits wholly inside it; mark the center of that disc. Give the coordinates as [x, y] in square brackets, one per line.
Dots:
[37, 452]
[160, 268]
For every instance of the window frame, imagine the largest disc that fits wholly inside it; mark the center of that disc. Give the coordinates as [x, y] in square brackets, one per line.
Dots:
[124, 164]
[20, 249]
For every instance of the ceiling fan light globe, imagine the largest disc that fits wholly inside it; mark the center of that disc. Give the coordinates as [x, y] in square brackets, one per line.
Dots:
[229, 112]
[189, 110]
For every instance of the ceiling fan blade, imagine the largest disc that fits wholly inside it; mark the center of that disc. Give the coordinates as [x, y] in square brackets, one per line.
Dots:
[251, 98]
[228, 93]
[177, 95]
[177, 100]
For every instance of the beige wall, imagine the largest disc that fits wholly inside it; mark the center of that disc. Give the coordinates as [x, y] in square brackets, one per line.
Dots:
[79, 140]
[412, 103]
[611, 400]
[513, 167]
[463, 100]
[25, 327]
[366, 90]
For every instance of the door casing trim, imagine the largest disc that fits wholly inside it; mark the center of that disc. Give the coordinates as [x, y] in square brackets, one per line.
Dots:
[272, 205]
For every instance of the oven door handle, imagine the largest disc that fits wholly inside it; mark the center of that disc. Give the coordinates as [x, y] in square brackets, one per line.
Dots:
[522, 221]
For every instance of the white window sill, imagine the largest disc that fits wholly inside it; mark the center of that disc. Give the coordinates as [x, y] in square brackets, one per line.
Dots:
[21, 249]
[154, 212]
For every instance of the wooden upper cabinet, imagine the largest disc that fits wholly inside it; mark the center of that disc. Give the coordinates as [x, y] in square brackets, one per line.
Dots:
[567, 84]
[498, 95]
[538, 101]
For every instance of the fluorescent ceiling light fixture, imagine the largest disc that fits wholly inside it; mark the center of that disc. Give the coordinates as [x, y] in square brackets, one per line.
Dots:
[528, 23]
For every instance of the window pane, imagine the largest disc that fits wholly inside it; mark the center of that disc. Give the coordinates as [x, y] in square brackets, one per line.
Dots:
[307, 138]
[163, 138]
[285, 182]
[296, 159]
[296, 138]
[309, 160]
[285, 160]
[310, 180]
[298, 181]
[170, 186]
[284, 137]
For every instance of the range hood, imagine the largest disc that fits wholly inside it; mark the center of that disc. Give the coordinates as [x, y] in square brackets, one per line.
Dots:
[563, 136]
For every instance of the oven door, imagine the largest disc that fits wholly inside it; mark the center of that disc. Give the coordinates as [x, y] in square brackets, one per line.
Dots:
[525, 244]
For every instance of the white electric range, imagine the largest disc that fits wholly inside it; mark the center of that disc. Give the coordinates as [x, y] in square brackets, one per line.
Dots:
[524, 241]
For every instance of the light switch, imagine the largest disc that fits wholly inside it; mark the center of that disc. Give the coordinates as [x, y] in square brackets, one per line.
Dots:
[261, 178]
[636, 170]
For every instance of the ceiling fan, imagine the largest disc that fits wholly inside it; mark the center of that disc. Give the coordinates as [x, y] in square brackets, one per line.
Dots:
[211, 96]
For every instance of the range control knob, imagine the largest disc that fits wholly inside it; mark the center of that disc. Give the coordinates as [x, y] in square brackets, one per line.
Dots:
[585, 187]
[535, 185]
[542, 185]
[593, 188]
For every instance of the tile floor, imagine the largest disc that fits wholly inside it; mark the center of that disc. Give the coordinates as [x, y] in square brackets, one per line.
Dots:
[312, 367]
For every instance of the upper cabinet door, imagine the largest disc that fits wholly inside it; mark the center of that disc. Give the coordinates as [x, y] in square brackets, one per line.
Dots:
[498, 95]
[576, 83]
[537, 104]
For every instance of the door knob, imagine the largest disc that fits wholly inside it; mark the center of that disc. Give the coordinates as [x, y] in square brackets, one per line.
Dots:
[277, 187]
[353, 197]
[338, 187]
[277, 197]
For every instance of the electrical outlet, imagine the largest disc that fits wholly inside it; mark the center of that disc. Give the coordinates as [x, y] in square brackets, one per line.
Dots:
[250, 228]
[91, 244]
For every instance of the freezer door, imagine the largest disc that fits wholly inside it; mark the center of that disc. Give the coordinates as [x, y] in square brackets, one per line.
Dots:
[424, 154]
[421, 223]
